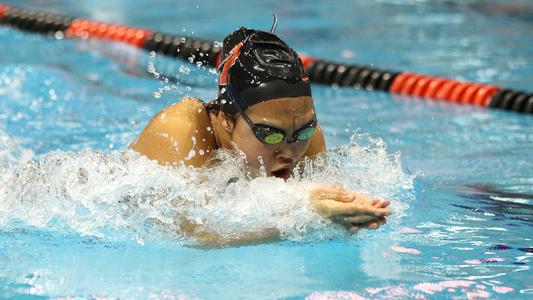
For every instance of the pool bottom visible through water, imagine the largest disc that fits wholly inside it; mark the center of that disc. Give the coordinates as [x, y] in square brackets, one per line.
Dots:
[83, 217]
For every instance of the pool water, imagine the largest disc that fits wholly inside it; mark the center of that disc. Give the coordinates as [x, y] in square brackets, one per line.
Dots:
[81, 217]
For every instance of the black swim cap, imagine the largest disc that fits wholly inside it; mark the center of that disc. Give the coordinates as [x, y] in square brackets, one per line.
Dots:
[257, 66]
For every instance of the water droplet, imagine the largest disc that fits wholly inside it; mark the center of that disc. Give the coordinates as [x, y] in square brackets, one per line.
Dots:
[157, 95]
[59, 35]
[222, 90]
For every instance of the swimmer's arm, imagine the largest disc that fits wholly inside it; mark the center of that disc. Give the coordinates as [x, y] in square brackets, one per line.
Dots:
[209, 239]
[177, 134]
[269, 235]
[317, 144]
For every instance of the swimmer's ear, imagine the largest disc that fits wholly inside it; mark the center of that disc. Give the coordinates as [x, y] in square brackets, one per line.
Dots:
[226, 121]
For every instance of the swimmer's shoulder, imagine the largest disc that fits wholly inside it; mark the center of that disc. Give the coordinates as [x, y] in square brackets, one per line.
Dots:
[180, 132]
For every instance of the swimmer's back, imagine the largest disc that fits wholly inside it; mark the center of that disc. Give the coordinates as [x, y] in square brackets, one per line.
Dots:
[180, 132]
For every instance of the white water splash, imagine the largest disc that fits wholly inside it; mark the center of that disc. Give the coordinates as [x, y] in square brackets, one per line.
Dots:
[11, 156]
[124, 195]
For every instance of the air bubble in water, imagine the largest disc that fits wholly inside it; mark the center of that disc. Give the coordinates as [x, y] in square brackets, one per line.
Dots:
[184, 70]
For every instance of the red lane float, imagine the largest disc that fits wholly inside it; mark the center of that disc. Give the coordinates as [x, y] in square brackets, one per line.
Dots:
[3, 9]
[410, 84]
[84, 29]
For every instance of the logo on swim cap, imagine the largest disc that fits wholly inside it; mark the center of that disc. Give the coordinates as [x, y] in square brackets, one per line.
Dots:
[228, 63]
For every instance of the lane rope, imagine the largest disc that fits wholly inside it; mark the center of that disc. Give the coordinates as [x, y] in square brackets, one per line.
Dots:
[203, 52]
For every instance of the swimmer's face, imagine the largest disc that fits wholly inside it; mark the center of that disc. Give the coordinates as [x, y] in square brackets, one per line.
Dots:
[288, 114]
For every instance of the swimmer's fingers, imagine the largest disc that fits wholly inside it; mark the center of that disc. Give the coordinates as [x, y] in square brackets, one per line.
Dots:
[380, 203]
[359, 219]
[374, 224]
[384, 203]
[354, 208]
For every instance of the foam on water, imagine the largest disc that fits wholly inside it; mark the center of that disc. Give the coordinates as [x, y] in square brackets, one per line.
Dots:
[125, 195]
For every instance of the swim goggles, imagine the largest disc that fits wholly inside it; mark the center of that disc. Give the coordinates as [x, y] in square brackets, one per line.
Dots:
[271, 135]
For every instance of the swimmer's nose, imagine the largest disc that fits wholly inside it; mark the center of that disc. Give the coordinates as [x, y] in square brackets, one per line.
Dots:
[285, 156]
[286, 160]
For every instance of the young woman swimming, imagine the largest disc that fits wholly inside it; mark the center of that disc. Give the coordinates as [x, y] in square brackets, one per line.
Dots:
[265, 112]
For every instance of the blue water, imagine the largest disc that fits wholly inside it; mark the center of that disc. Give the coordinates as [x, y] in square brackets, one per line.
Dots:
[460, 177]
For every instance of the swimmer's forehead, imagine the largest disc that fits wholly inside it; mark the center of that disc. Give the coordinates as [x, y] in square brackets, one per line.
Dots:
[280, 111]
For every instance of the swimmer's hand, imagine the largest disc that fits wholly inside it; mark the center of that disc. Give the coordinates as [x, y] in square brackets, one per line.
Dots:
[350, 209]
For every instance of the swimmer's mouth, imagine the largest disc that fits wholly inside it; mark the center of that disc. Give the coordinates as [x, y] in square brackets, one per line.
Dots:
[284, 173]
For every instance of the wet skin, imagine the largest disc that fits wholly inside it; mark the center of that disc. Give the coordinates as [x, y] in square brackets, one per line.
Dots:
[288, 114]
[186, 133]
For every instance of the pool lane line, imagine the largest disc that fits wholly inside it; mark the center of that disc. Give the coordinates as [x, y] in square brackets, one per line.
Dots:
[417, 85]
[203, 52]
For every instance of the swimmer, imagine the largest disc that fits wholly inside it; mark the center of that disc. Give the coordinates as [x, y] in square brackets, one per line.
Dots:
[264, 111]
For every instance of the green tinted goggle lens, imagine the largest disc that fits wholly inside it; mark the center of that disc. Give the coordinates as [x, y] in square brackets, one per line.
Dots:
[274, 138]
[306, 133]
[278, 137]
